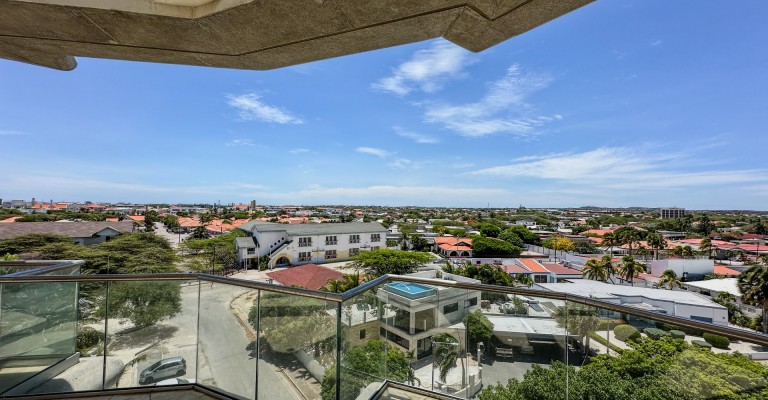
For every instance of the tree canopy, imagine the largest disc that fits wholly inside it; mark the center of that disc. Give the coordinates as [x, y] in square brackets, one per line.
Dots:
[667, 369]
[386, 261]
[490, 247]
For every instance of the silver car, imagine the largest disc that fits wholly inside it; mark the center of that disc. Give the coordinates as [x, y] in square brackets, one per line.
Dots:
[165, 368]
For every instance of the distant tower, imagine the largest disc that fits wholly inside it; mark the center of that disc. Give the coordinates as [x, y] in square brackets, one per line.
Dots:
[253, 204]
[33, 201]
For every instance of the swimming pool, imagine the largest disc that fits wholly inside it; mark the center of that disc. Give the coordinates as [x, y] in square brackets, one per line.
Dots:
[410, 290]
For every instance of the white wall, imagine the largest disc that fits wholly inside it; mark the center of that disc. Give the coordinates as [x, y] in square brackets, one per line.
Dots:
[692, 267]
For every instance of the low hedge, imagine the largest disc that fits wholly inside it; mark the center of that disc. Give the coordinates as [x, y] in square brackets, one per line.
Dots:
[677, 334]
[605, 342]
[688, 331]
[606, 324]
[721, 342]
[655, 333]
[626, 332]
[701, 343]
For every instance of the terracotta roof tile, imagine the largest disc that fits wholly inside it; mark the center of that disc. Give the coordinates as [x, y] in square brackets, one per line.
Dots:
[310, 276]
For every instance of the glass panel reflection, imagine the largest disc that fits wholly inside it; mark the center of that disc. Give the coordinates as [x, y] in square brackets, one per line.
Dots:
[38, 329]
[227, 341]
[152, 330]
[297, 347]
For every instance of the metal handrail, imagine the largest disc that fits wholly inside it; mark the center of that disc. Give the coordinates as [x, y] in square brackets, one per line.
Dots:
[410, 389]
[745, 335]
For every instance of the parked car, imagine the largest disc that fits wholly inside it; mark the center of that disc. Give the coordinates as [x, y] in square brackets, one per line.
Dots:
[175, 381]
[165, 368]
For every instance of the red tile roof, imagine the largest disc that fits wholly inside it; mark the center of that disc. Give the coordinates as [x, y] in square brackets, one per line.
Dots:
[559, 269]
[598, 232]
[310, 276]
[452, 240]
[721, 270]
[448, 247]
[515, 269]
[533, 265]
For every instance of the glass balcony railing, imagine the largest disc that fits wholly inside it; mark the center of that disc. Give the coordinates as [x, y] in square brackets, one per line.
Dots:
[430, 338]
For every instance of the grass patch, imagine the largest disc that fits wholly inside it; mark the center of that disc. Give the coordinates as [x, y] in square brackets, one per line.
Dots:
[605, 342]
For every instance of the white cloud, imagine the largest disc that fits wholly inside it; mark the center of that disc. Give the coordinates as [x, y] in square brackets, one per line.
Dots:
[252, 108]
[298, 151]
[503, 108]
[623, 168]
[656, 43]
[427, 70]
[10, 133]
[381, 153]
[239, 142]
[415, 136]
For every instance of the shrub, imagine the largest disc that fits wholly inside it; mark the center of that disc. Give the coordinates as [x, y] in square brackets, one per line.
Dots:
[721, 342]
[688, 331]
[87, 338]
[606, 324]
[677, 334]
[655, 333]
[701, 343]
[626, 332]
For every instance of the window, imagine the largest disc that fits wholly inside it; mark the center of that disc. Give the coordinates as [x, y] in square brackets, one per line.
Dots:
[305, 256]
[362, 334]
[447, 309]
[354, 252]
[375, 237]
[540, 278]
[251, 250]
[470, 302]
[305, 241]
[354, 238]
[330, 240]
[702, 319]
[330, 254]
[374, 248]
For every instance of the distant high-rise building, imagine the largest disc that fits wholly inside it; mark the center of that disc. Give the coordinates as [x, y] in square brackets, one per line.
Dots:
[673, 212]
[253, 204]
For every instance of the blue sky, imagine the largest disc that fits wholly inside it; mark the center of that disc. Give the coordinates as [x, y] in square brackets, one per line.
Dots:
[620, 103]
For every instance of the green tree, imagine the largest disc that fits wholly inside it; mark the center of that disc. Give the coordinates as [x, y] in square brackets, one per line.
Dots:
[657, 242]
[610, 240]
[384, 261]
[360, 366]
[753, 285]
[579, 320]
[670, 279]
[447, 351]
[629, 269]
[479, 328]
[512, 238]
[490, 230]
[418, 242]
[706, 247]
[349, 281]
[31, 242]
[143, 304]
[627, 236]
[598, 270]
[491, 247]
[525, 234]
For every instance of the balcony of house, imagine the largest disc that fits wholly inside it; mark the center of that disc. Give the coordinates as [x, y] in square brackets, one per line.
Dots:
[168, 336]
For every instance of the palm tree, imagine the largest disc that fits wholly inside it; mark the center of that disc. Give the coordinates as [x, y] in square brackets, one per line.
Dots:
[579, 320]
[657, 242]
[669, 279]
[753, 285]
[629, 269]
[595, 270]
[629, 237]
[524, 279]
[447, 351]
[706, 247]
[609, 240]
[687, 251]
[643, 251]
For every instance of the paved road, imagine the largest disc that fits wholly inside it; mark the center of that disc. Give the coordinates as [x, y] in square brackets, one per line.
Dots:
[174, 238]
[225, 357]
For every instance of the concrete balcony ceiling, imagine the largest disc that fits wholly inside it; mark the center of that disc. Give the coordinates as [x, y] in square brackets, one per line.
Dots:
[253, 34]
